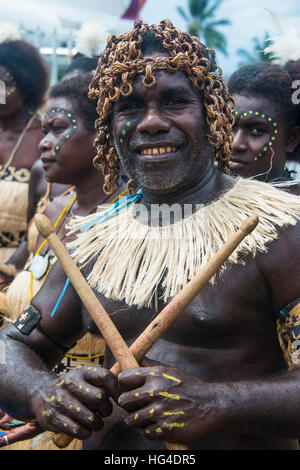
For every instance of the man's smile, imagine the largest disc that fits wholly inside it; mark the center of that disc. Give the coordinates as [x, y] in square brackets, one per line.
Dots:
[158, 150]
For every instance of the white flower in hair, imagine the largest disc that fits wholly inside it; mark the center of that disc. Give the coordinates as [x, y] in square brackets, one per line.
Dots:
[286, 45]
[90, 39]
[9, 32]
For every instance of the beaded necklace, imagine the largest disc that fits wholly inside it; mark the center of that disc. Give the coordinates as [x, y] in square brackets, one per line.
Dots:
[62, 214]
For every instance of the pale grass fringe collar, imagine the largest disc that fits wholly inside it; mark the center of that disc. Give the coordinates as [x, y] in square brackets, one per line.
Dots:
[130, 260]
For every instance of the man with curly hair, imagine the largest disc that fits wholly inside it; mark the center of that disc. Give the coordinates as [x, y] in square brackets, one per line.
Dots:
[219, 377]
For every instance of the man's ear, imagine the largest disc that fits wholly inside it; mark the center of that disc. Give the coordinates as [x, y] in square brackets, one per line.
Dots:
[293, 139]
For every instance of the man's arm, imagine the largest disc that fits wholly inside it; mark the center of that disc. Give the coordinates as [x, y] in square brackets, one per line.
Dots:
[31, 353]
[165, 403]
[29, 390]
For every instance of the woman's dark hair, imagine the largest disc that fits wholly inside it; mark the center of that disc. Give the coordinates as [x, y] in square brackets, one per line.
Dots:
[76, 91]
[28, 69]
[272, 82]
[82, 63]
[269, 81]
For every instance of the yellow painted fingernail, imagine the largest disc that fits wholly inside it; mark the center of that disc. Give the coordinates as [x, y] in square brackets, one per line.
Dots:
[175, 425]
[170, 377]
[169, 395]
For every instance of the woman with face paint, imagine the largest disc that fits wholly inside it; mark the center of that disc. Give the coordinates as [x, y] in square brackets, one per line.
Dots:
[23, 84]
[67, 156]
[266, 133]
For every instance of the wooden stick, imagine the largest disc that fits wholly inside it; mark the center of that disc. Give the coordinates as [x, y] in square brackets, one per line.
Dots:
[108, 329]
[166, 317]
[114, 340]
[145, 341]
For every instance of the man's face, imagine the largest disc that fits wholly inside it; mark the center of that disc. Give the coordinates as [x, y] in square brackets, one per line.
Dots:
[160, 134]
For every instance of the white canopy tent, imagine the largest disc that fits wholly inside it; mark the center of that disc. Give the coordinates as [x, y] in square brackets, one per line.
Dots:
[51, 25]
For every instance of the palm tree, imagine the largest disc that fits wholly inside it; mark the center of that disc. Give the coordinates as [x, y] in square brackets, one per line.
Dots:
[257, 55]
[200, 23]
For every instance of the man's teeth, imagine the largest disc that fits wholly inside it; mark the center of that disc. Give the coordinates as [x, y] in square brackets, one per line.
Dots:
[158, 150]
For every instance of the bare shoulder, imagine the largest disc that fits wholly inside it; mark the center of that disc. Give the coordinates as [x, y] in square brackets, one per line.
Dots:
[280, 265]
[55, 208]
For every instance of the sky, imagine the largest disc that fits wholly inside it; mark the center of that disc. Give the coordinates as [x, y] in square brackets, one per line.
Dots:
[249, 19]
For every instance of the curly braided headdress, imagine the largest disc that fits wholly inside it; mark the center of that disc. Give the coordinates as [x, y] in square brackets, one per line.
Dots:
[122, 60]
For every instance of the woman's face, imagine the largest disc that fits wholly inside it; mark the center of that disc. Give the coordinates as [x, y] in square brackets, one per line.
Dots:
[67, 146]
[12, 100]
[261, 138]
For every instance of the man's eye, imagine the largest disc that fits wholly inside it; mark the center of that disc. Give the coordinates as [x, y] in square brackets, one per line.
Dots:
[130, 106]
[175, 102]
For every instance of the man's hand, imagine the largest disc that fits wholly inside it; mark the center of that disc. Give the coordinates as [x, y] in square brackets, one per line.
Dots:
[167, 404]
[77, 402]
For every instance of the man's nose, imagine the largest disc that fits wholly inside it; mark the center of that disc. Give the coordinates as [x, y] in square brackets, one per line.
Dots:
[239, 143]
[153, 122]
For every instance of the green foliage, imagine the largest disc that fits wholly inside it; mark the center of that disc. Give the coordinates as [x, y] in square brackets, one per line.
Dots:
[257, 54]
[199, 19]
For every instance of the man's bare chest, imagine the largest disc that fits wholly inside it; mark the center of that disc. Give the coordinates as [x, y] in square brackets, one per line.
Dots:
[236, 304]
